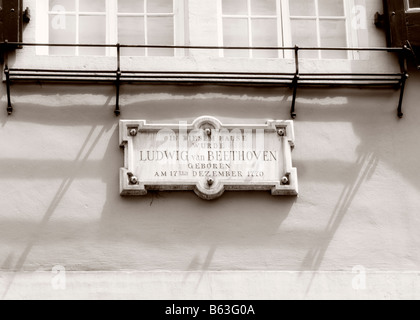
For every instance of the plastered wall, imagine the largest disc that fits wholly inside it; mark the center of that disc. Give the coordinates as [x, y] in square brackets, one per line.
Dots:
[359, 183]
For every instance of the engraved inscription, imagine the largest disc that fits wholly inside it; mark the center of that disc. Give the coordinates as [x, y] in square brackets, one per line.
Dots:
[190, 156]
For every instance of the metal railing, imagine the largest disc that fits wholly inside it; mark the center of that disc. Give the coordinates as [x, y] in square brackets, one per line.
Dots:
[294, 79]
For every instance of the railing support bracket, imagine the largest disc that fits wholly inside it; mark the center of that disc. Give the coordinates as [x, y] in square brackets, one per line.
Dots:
[9, 100]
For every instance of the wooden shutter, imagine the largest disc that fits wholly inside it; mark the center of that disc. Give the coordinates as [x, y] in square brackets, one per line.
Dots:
[413, 28]
[1, 22]
[401, 24]
[396, 19]
[11, 20]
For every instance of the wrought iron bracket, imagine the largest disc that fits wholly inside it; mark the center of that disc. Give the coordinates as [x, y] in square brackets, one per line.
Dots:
[407, 52]
[295, 84]
[404, 78]
[9, 101]
[9, 108]
[117, 111]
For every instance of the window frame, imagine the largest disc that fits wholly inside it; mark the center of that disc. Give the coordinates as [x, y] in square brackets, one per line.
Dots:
[249, 16]
[285, 33]
[409, 9]
[350, 34]
[111, 13]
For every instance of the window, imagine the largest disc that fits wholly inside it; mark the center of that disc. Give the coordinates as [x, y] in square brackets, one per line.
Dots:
[138, 22]
[146, 22]
[251, 23]
[240, 23]
[80, 22]
[310, 23]
[413, 4]
[319, 23]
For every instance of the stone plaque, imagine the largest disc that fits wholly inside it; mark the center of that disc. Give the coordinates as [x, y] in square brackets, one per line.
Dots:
[208, 157]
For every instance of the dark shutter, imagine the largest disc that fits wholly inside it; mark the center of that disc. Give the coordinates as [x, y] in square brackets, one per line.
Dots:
[396, 18]
[413, 28]
[1, 22]
[401, 24]
[11, 20]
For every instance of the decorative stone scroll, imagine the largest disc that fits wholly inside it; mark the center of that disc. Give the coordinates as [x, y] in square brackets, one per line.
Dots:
[208, 157]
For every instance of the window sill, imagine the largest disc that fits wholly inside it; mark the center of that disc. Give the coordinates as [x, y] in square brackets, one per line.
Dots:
[382, 62]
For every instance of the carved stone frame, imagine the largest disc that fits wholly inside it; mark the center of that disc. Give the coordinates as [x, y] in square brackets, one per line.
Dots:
[130, 185]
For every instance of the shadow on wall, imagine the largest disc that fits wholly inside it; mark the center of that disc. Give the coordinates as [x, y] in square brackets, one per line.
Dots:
[132, 230]
[76, 105]
[383, 139]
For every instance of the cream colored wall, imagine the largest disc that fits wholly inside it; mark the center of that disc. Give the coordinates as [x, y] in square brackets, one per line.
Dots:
[357, 163]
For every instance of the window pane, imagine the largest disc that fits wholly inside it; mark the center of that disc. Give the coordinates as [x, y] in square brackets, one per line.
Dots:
[62, 5]
[235, 6]
[264, 34]
[414, 3]
[304, 34]
[131, 6]
[302, 7]
[92, 30]
[331, 7]
[263, 7]
[235, 34]
[131, 31]
[160, 6]
[333, 34]
[160, 31]
[92, 6]
[62, 30]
